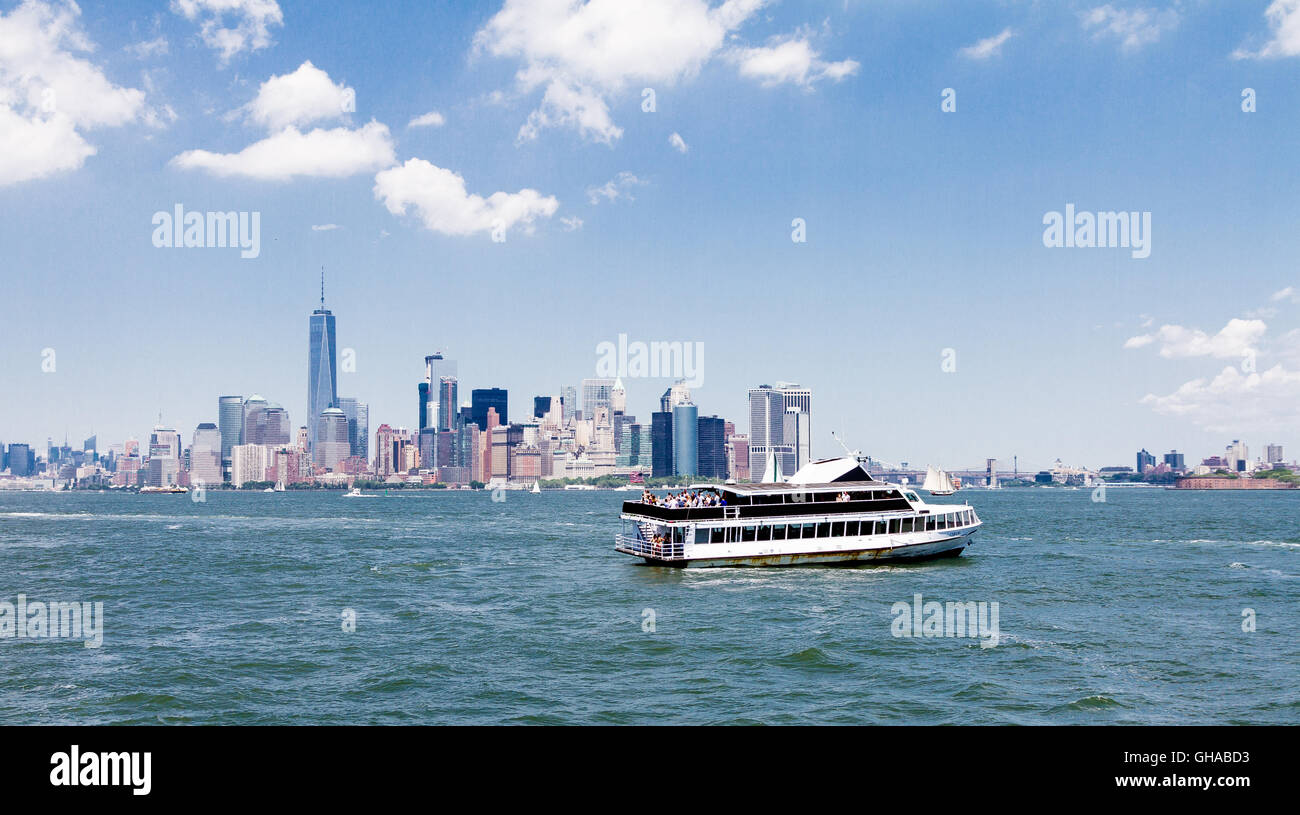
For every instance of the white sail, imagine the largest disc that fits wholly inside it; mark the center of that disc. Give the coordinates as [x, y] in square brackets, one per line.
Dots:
[772, 470]
[932, 481]
[945, 483]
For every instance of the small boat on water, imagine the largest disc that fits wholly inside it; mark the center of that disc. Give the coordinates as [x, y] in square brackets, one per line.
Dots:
[355, 492]
[172, 490]
[937, 482]
[830, 511]
[536, 490]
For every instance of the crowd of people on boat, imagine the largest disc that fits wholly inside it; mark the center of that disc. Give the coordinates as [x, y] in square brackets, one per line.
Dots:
[684, 499]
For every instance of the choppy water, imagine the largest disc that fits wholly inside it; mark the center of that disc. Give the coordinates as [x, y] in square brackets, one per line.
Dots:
[470, 611]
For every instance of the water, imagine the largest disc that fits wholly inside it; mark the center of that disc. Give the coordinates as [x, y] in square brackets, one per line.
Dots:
[470, 611]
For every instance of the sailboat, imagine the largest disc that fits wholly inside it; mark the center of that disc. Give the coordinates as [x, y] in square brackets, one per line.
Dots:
[937, 482]
[536, 489]
[772, 470]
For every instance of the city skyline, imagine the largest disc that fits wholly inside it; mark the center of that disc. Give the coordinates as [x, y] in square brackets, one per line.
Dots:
[923, 228]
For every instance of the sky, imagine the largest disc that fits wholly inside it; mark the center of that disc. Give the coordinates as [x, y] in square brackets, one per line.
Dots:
[516, 183]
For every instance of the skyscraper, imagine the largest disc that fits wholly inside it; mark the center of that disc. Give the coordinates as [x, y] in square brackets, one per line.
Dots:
[686, 435]
[595, 393]
[770, 429]
[661, 444]
[322, 370]
[230, 422]
[358, 415]
[569, 398]
[1144, 461]
[712, 445]
[1273, 454]
[541, 406]
[481, 399]
[332, 444]
[448, 394]
[205, 455]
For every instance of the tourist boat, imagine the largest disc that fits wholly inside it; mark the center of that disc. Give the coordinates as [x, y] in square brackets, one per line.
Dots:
[937, 482]
[830, 511]
[170, 490]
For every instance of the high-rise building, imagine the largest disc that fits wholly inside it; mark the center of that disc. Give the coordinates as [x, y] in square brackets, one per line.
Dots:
[991, 473]
[541, 406]
[661, 444]
[1273, 454]
[1175, 460]
[423, 401]
[569, 399]
[332, 445]
[322, 368]
[205, 455]
[712, 445]
[433, 407]
[595, 393]
[230, 421]
[448, 396]
[483, 399]
[358, 415]
[248, 463]
[1238, 455]
[22, 462]
[1144, 461]
[738, 456]
[686, 434]
[771, 429]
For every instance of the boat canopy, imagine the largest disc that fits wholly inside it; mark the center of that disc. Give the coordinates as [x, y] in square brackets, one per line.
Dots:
[830, 471]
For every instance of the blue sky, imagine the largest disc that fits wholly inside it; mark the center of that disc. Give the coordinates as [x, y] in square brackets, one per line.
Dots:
[924, 227]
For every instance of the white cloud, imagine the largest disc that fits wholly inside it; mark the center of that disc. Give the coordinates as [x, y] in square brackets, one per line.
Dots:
[431, 119]
[232, 26]
[580, 108]
[156, 47]
[1288, 294]
[438, 197]
[49, 96]
[1134, 28]
[1235, 401]
[620, 186]
[282, 104]
[1236, 339]
[324, 227]
[571, 223]
[303, 97]
[320, 153]
[585, 53]
[678, 143]
[792, 59]
[1284, 22]
[987, 47]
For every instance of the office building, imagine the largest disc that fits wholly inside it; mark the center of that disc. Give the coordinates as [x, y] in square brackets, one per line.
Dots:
[322, 367]
[1145, 461]
[1175, 460]
[661, 444]
[205, 455]
[484, 399]
[331, 446]
[686, 434]
[595, 393]
[712, 447]
[358, 416]
[230, 422]
[1273, 454]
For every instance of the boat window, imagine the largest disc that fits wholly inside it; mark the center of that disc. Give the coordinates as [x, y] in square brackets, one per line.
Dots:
[837, 529]
[808, 530]
[702, 534]
[907, 525]
[778, 532]
[824, 529]
[677, 534]
[748, 534]
[851, 528]
[894, 526]
[929, 523]
[911, 496]
[765, 533]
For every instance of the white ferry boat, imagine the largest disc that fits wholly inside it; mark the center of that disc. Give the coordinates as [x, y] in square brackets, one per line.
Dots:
[831, 511]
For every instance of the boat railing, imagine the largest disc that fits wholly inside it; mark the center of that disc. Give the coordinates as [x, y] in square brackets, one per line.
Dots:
[632, 545]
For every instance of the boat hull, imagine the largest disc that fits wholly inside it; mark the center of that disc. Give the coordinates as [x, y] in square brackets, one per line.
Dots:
[948, 546]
